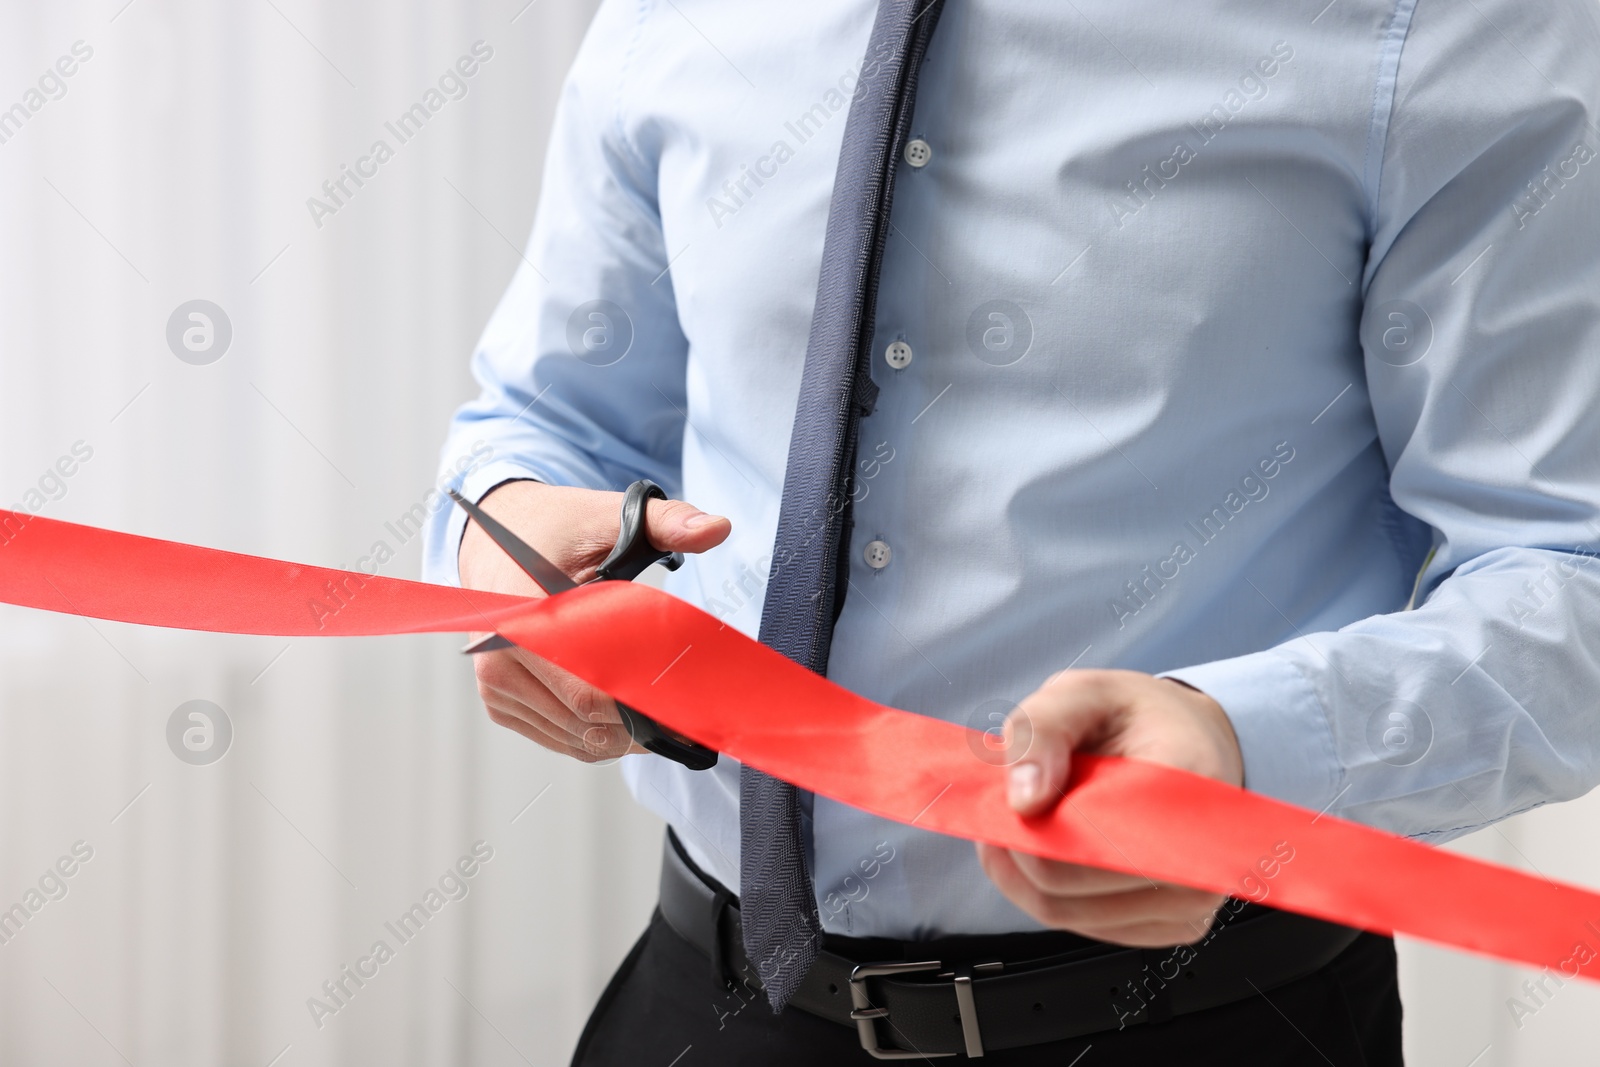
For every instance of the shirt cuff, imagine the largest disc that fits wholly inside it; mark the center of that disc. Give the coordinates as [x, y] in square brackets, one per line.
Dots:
[1283, 731]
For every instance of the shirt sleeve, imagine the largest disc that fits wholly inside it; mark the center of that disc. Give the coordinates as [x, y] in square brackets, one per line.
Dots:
[1481, 338]
[582, 364]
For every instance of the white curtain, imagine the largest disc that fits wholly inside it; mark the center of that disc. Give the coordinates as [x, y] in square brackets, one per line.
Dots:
[206, 904]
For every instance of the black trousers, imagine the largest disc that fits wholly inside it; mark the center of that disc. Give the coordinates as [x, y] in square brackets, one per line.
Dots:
[663, 1009]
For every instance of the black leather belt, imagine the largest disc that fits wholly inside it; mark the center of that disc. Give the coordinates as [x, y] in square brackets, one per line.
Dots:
[941, 998]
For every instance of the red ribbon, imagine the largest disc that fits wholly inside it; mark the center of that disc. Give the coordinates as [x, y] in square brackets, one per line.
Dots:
[717, 686]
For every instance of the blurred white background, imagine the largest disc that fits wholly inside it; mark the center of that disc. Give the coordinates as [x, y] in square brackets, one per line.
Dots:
[173, 165]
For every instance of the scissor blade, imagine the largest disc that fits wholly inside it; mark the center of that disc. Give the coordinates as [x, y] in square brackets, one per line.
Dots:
[551, 579]
[487, 643]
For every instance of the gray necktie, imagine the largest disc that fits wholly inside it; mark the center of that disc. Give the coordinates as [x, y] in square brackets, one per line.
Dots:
[778, 908]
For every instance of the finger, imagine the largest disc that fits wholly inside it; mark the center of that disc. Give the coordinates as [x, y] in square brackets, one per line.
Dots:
[1170, 905]
[1150, 916]
[563, 701]
[1147, 935]
[1070, 712]
[1075, 880]
[603, 740]
[568, 700]
[676, 526]
[579, 705]
[510, 677]
[515, 717]
[598, 744]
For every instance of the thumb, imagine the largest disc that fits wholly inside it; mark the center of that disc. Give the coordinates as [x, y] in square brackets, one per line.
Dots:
[1066, 713]
[677, 526]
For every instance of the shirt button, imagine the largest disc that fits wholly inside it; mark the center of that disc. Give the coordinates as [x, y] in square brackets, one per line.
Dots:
[877, 554]
[918, 152]
[898, 355]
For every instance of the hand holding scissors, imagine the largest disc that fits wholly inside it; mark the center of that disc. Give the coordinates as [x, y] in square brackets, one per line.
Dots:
[630, 555]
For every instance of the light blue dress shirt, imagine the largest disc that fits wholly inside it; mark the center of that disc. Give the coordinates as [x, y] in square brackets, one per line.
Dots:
[1212, 321]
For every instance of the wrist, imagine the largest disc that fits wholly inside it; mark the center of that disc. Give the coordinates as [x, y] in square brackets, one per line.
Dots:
[1218, 728]
[471, 534]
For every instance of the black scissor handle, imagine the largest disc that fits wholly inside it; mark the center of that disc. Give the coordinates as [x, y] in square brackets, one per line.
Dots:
[632, 554]
[654, 737]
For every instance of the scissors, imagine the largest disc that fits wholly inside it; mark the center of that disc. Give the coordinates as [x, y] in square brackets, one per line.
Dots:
[628, 559]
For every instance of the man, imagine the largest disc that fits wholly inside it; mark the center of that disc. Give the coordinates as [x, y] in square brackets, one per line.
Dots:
[1121, 372]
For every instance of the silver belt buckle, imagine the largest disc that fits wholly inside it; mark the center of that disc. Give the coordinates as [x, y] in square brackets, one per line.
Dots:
[866, 1015]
